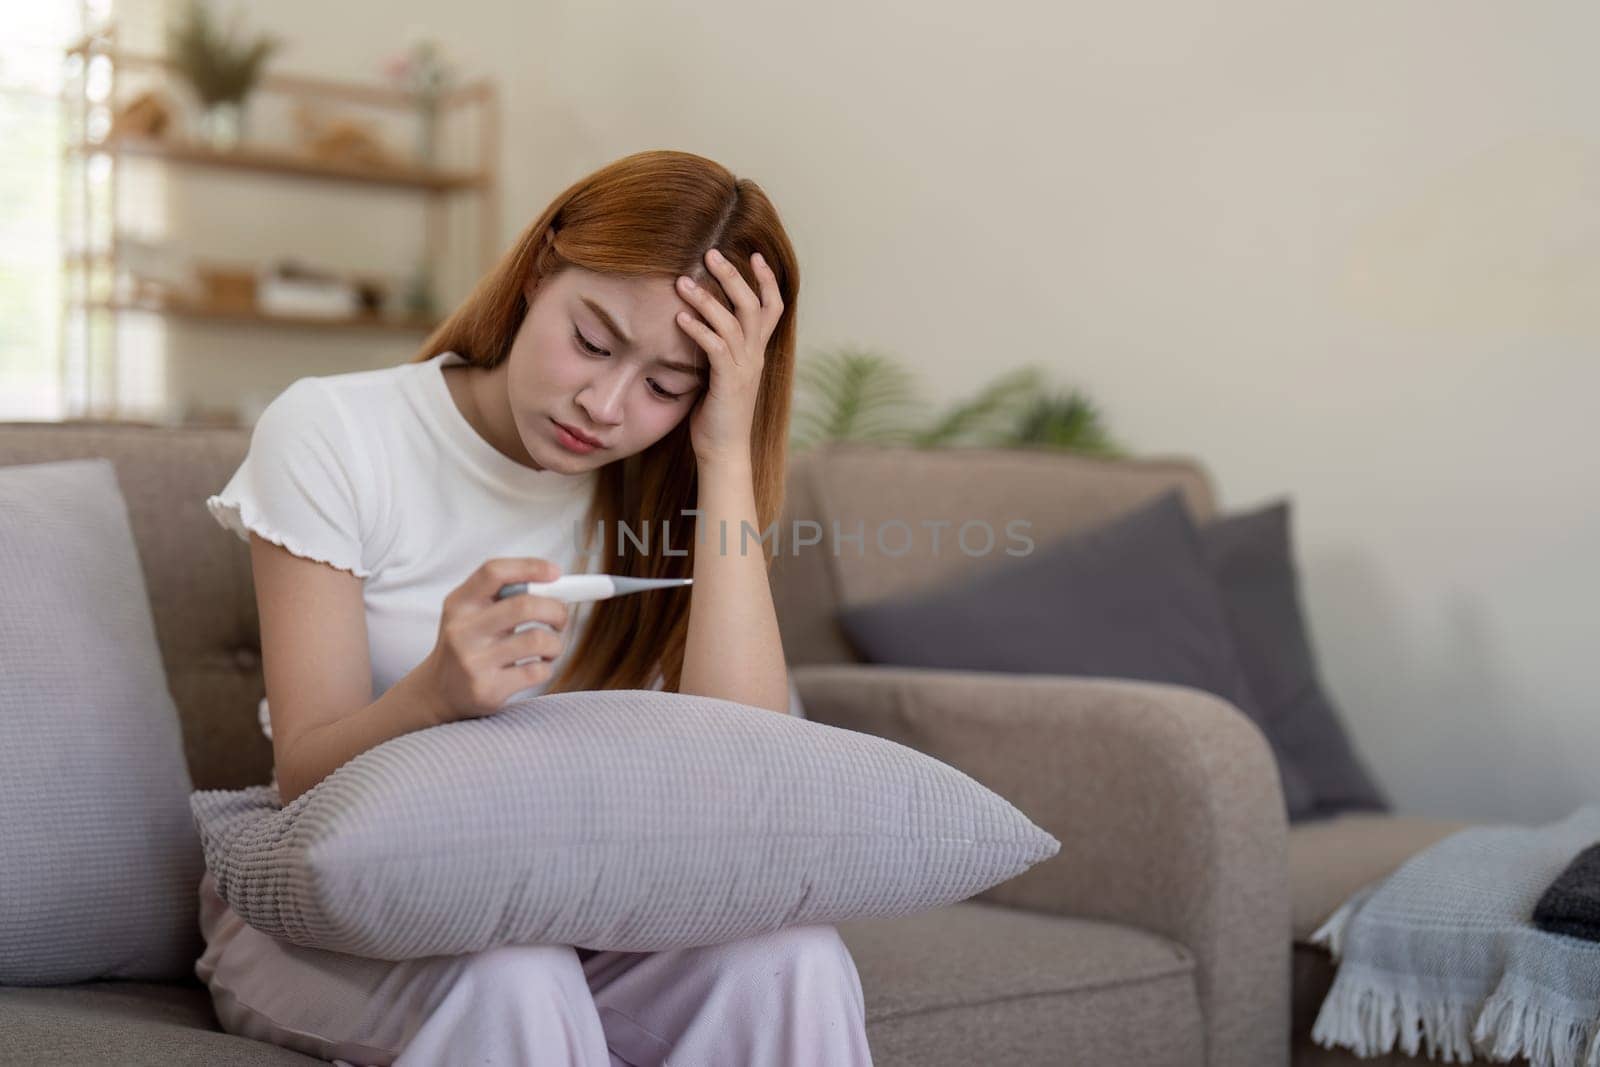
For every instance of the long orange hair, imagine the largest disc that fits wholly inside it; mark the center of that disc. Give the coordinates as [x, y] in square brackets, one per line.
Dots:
[654, 212]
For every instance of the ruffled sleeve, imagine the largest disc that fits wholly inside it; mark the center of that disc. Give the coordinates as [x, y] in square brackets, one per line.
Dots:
[301, 481]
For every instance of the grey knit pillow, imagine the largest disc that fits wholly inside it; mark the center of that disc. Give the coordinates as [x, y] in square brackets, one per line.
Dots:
[98, 854]
[630, 820]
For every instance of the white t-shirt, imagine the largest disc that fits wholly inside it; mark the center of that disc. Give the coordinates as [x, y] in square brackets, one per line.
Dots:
[379, 473]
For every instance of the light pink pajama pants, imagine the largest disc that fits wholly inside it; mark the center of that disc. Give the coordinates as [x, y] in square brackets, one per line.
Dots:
[786, 999]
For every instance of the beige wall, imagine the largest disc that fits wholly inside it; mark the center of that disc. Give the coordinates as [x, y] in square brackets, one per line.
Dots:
[1344, 252]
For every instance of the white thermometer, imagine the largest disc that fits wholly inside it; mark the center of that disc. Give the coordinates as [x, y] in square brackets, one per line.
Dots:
[579, 588]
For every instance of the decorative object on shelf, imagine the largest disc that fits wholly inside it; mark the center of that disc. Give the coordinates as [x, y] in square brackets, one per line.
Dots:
[341, 140]
[371, 294]
[152, 271]
[858, 395]
[418, 298]
[422, 70]
[226, 287]
[147, 115]
[221, 68]
[196, 415]
[289, 287]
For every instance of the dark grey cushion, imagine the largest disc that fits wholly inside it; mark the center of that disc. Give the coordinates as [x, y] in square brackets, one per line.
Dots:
[99, 860]
[1129, 598]
[1252, 558]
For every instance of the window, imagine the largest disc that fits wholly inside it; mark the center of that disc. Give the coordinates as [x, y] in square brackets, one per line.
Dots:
[31, 69]
[42, 372]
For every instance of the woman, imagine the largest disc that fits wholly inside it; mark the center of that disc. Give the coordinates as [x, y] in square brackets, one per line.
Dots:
[629, 361]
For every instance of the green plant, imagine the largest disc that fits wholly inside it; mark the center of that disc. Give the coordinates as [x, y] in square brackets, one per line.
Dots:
[221, 68]
[850, 394]
[1066, 420]
[988, 418]
[854, 395]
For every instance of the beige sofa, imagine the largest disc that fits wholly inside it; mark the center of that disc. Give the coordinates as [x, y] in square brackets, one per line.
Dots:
[1168, 930]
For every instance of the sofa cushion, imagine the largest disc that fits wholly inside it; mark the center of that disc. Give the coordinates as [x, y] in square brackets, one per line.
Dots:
[1329, 859]
[842, 487]
[98, 855]
[132, 1024]
[969, 983]
[628, 820]
[1130, 598]
[1253, 561]
[872, 489]
[980, 983]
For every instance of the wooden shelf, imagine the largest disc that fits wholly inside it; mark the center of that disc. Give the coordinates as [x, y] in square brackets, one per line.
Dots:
[378, 96]
[469, 114]
[267, 160]
[206, 313]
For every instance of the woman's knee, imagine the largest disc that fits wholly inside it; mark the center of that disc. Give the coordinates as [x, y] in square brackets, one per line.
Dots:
[523, 970]
[815, 948]
[510, 1004]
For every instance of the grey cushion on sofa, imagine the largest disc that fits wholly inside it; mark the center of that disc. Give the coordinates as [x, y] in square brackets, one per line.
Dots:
[633, 820]
[99, 860]
[1252, 558]
[1130, 598]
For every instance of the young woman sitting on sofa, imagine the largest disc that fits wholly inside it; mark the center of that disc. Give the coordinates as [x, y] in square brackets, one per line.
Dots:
[629, 360]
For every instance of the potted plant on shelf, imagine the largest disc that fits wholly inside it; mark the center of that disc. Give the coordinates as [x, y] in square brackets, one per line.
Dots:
[422, 70]
[221, 68]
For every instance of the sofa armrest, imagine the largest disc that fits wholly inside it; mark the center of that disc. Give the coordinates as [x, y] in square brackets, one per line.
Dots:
[1166, 801]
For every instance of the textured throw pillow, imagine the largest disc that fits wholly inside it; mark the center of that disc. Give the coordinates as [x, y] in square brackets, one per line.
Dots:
[1130, 598]
[98, 855]
[629, 820]
[1252, 558]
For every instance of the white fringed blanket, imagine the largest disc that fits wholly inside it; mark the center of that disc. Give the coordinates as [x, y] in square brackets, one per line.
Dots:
[1443, 951]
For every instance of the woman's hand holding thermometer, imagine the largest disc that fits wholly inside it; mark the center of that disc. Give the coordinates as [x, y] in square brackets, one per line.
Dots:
[494, 643]
[580, 588]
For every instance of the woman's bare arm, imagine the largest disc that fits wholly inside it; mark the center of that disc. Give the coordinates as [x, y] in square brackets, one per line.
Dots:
[318, 670]
[734, 650]
[322, 749]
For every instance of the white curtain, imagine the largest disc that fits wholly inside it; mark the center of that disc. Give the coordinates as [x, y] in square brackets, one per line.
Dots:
[45, 372]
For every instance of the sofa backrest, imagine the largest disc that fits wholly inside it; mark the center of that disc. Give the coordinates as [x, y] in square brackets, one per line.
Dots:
[197, 574]
[203, 598]
[897, 497]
